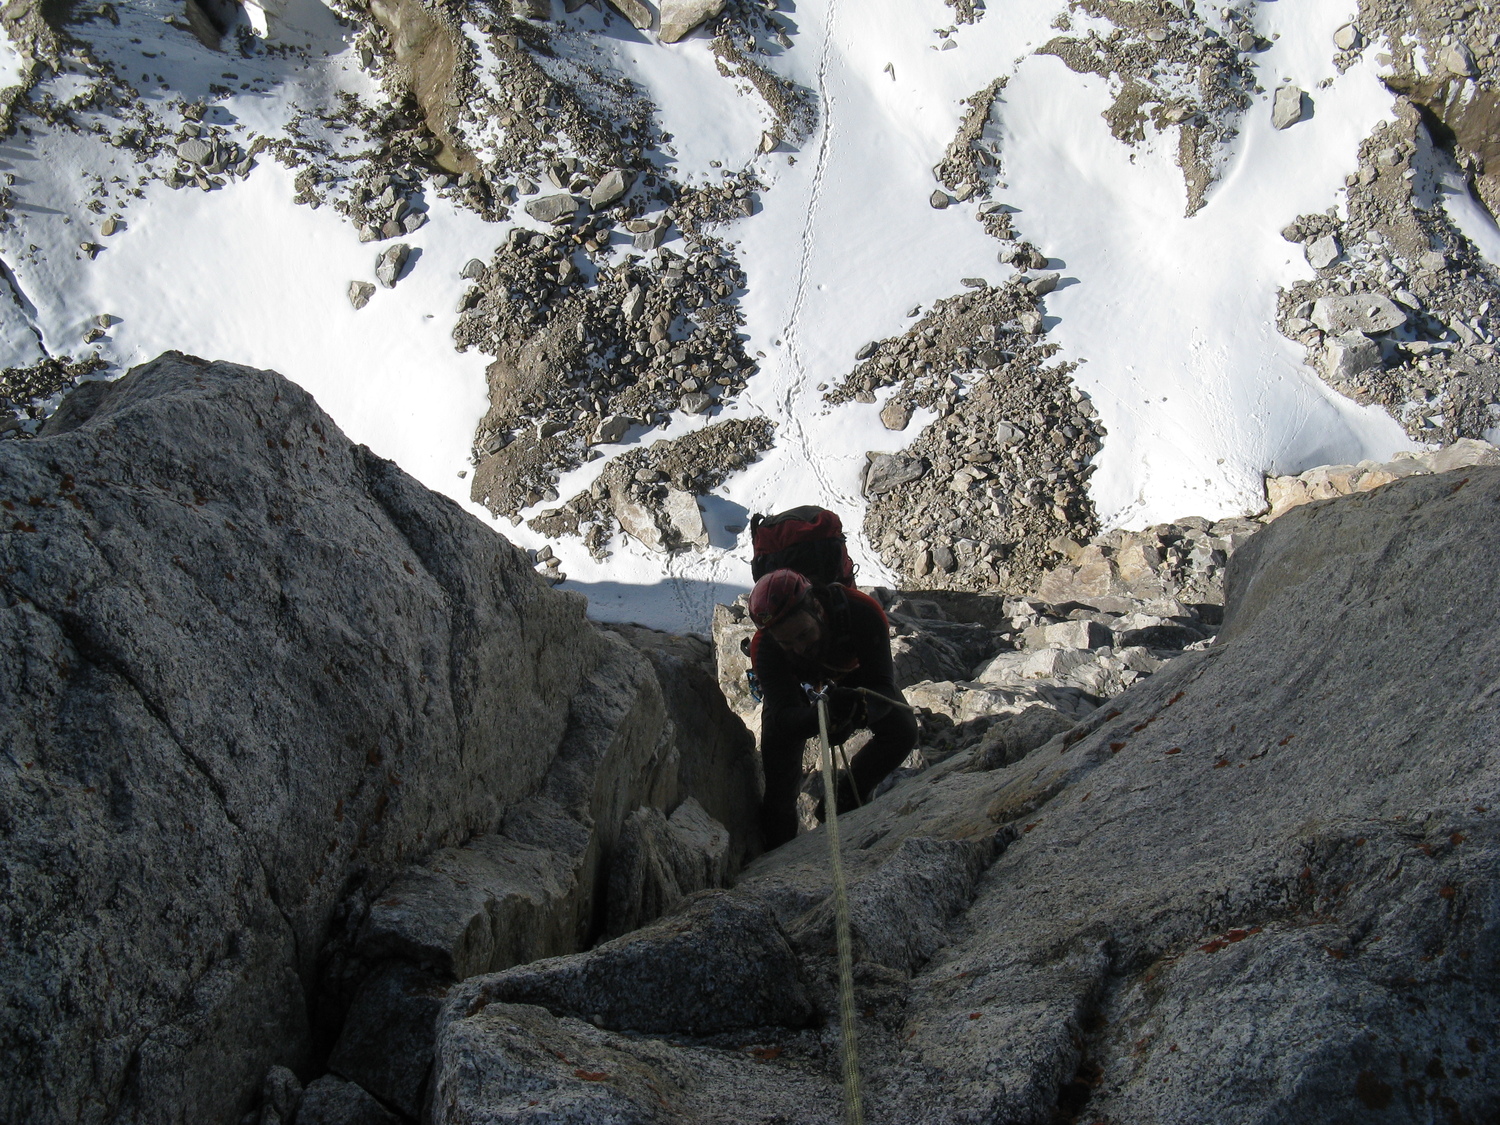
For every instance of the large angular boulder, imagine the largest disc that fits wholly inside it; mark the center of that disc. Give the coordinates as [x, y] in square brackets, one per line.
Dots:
[718, 962]
[249, 670]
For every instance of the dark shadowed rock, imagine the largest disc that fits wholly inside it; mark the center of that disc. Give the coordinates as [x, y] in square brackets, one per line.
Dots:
[332, 1101]
[1011, 738]
[716, 760]
[716, 963]
[659, 860]
[932, 649]
[386, 1045]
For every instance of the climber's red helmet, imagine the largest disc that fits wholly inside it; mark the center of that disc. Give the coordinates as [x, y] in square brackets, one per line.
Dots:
[777, 596]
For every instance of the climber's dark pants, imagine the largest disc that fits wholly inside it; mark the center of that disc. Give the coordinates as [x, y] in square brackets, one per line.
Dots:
[781, 757]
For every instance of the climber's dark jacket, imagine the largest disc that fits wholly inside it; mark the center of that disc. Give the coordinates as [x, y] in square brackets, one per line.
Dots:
[856, 652]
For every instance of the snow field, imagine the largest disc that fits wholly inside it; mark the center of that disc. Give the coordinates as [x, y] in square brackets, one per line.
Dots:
[1170, 318]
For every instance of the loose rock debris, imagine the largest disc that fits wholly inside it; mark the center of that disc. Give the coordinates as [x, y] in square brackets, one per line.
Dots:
[1401, 311]
[974, 501]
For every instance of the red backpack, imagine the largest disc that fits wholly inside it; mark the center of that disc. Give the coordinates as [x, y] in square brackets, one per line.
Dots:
[809, 540]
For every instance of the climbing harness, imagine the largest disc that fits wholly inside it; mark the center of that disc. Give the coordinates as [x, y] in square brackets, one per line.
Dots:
[853, 1110]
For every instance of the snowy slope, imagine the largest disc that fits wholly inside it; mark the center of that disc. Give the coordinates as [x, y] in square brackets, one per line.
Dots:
[1172, 318]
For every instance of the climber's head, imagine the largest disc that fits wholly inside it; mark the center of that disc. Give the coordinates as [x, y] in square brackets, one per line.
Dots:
[777, 596]
[783, 605]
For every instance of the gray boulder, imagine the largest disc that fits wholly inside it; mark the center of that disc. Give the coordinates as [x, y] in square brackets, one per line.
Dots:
[388, 266]
[1323, 251]
[611, 188]
[1457, 60]
[634, 304]
[196, 150]
[1044, 283]
[1067, 634]
[360, 293]
[552, 208]
[896, 414]
[653, 236]
[719, 962]
[332, 1101]
[613, 429]
[1365, 312]
[1349, 355]
[680, 17]
[638, 521]
[886, 472]
[247, 667]
[636, 11]
[685, 519]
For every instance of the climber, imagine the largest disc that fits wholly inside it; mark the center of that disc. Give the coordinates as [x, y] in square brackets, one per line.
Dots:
[830, 636]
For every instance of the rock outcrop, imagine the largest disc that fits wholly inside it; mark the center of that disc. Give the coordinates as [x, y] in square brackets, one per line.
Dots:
[308, 778]
[251, 673]
[1328, 481]
[1258, 886]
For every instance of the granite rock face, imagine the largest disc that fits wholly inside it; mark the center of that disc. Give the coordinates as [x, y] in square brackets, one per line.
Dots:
[1260, 882]
[1262, 885]
[251, 672]
[286, 735]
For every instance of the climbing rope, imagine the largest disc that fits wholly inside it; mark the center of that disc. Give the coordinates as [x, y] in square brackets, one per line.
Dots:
[853, 1111]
